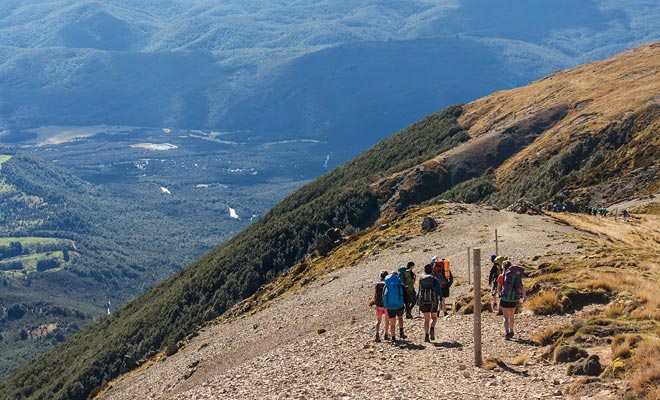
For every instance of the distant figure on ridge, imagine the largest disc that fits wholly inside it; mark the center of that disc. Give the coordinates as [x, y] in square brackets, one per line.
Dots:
[428, 300]
[511, 289]
[407, 277]
[394, 302]
[380, 307]
[625, 215]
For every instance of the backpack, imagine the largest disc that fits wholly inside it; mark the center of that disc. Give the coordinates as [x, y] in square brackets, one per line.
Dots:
[407, 280]
[393, 293]
[512, 284]
[438, 268]
[442, 271]
[378, 294]
[496, 269]
[428, 291]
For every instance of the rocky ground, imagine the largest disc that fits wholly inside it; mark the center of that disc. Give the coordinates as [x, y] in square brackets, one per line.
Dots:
[278, 353]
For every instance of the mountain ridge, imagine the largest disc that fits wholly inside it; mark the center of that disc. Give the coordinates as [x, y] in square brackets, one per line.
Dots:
[343, 199]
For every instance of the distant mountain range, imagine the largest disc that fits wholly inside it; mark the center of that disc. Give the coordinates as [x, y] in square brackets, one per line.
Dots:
[583, 137]
[332, 71]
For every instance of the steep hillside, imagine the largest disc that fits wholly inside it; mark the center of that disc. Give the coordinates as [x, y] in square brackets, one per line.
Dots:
[585, 137]
[445, 153]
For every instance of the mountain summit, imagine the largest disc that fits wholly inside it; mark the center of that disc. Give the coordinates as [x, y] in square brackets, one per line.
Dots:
[587, 136]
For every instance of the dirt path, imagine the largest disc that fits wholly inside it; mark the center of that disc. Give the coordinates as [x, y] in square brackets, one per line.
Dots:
[277, 353]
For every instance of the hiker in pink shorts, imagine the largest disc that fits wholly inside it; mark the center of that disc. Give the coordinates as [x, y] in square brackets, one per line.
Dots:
[380, 307]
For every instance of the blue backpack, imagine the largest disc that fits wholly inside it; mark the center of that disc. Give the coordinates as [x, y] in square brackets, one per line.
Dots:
[393, 293]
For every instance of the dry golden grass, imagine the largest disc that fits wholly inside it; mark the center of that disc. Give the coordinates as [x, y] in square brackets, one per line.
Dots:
[607, 282]
[520, 360]
[615, 310]
[546, 335]
[645, 380]
[544, 303]
[492, 362]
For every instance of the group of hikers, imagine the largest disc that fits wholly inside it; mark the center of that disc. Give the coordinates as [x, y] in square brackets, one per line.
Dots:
[395, 295]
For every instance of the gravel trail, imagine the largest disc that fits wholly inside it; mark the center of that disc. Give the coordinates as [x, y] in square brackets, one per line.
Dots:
[278, 354]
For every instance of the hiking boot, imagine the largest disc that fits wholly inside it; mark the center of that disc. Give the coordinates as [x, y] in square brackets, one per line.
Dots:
[426, 338]
[432, 333]
[393, 339]
[446, 313]
[508, 335]
[386, 336]
[377, 338]
[402, 335]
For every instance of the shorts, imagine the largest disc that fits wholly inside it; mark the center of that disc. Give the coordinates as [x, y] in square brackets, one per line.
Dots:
[432, 308]
[445, 292]
[508, 304]
[380, 311]
[395, 313]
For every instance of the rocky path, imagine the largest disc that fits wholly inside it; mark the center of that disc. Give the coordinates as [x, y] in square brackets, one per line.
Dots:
[278, 354]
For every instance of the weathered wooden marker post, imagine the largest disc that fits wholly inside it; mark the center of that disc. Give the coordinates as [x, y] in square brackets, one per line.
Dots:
[476, 258]
[469, 266]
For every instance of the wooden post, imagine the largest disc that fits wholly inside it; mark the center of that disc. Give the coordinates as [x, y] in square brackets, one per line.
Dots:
[497, 244]
[469, 266]
[476, 258]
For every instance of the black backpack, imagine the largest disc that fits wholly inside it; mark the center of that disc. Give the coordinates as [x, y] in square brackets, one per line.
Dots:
[378, 295]
[428, 291]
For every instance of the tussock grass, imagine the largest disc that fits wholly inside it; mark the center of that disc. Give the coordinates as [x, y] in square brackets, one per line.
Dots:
[645, 381]
[547, 335]
[607, 282]
[623, 344]
[520, 360]
[492, 362]
[545, 303]
[615, 310]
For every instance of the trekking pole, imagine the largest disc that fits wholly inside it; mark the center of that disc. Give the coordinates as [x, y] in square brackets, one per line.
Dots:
[476, 258]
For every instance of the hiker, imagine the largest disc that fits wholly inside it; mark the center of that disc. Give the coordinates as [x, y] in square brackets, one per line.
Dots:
[428, 300]
[394, 302]
[408, 280]
[511, 289]
[442, 271]
[380, 308]
[495, 271]
[625, 215]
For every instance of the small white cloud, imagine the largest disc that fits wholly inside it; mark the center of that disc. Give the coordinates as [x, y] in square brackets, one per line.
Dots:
[165, 190]
[232, 213]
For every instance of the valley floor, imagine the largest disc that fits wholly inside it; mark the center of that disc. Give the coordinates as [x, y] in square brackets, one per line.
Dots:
[277, 353]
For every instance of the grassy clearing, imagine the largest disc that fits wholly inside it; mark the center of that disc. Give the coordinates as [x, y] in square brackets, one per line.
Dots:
[32, 241]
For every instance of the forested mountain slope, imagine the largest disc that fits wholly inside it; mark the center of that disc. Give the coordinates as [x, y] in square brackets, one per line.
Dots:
[476, 150]
[70, 250]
